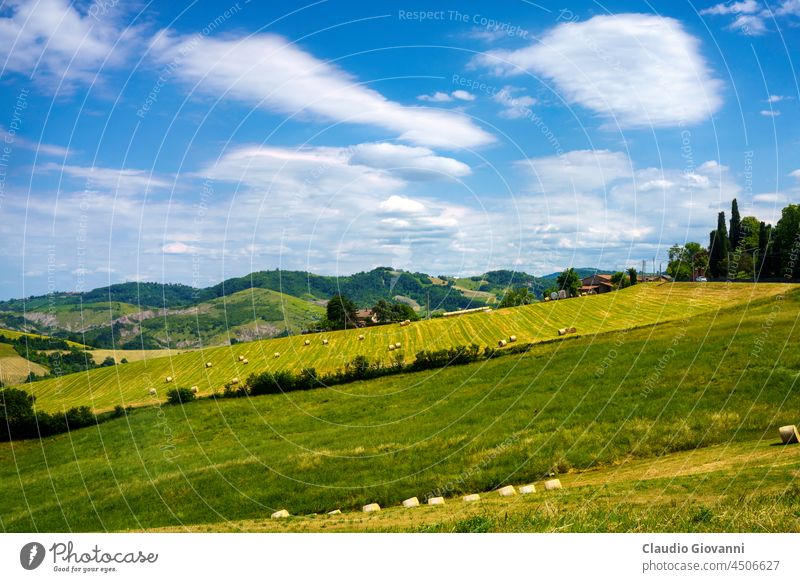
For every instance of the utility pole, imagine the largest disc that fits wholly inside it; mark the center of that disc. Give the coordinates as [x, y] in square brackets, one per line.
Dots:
[644, 263]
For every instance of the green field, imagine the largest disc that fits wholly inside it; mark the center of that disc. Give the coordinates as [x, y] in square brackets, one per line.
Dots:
[614, 414]
[14, 368]
[637, 306]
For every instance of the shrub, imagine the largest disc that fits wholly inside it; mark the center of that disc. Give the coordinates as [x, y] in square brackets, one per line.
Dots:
[180, 395]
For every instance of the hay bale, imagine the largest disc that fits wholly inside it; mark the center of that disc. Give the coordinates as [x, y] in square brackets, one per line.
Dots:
[241, 358]
[563, 331]
[471, 497]
[324, 342]
[335, 512]
[512, 338]
[168, 379]
[572, 330]
[307, 342]
[234, 380]
[245, 361]
[397, 345]
[562, 294]
[361, 337]
[194, 389]
[371, 507]
[411, 502]
[507, 491]
[391, 347]
[277, 354]
[280, 514]
[209, 364]
[789, 434]
[152, 392]
[436, 501]
[502, 343]
[552, 484]
[527, 489]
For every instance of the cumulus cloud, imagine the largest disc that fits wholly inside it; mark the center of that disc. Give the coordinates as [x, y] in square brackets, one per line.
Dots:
[414, 163]
[745, 7]
[268, 71]
[579, 170]
[750, 16]
[402, 205]
[514, 105]
[636, 70]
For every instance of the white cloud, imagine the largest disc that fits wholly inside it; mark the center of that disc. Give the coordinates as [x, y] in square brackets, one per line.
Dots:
[437, 97]
[579, 170]
[776, 98]
[514, 107]
[44, 149]
[178, 248]
[749, 25]
[268, 71]
[795, 174]
[636, 70]
[463, 95]
[788, 8]
[124, 181]
[402, 205]
[54, 41]
[745, 7]
[770, 112]
[407, 161]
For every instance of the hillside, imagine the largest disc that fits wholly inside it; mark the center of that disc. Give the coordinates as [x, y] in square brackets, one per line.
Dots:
[618, 430]
[155, 316]
[14, 368]
[637, 306]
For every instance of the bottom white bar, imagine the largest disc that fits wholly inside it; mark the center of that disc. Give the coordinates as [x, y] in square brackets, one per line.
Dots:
[370, 557]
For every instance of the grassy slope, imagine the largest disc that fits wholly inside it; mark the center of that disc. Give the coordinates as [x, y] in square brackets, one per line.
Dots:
[640, 305]
[11, 334]
[694, 382]
[14, 368]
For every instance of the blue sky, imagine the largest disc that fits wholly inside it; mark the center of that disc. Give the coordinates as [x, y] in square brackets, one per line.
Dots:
[153, 142]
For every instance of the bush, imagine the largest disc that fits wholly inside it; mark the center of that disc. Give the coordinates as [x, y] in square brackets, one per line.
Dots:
[180, 395]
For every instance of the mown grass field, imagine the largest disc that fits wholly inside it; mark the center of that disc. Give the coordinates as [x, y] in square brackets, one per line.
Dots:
[11, 334]
[14, 368]
[129, 385]
[604, 412]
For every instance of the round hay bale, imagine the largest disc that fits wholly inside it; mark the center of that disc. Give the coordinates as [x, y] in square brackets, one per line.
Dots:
[411, 502]
[241, 358]
[563, 331]
[194, 389]
[527, 489]
[209, 364]
[512, 338]
[234, 380]
[507, 491]
[277, 354]
[436, 501]
[502, 343]
[280, 514]
[335, 512]
[371, 507]
[324, 342]
[472, 497]
[168, 379]
[789, 435]
[397, 345]
[307, 342]
[572, 330]
[391, 347]
[552, 484]
[245, 361]
[152, 391]
[361, 337]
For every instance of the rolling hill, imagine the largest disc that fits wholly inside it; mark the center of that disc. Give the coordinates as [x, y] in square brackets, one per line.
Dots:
[637, 306]
[662, 427]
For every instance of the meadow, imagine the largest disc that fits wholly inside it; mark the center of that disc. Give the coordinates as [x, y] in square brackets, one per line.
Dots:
[658, 424]
[640, 305]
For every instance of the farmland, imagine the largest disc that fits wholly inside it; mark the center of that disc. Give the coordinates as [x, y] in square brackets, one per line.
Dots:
[672, 432]
[641, 305]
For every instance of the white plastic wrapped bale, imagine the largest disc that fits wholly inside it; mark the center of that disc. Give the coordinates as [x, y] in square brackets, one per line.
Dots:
[527, 489]
[472, 497]
[507, 491]
[280, 514]
[436, 501]
[789, 434]
[194, 389]
[552, 484]
[512, 338]
[371, 507]
[411, 502]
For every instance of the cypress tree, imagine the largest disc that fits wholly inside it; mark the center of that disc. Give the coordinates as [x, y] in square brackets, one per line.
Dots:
[736, 226]
[718, 249]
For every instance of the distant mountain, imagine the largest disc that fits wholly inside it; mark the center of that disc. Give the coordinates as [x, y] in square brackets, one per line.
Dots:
[260, 305]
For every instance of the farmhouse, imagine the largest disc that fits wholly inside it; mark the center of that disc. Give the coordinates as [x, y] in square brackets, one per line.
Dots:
[366, 316]
[596, 284]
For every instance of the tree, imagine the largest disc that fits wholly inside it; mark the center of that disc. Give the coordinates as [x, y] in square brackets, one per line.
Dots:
[386, 312]
[341, 312]
[517, 297]
[787, 239]
[718, 249]
[17, 418]
[687, 261]
[619, 279]
[735, 233]
[569, 281]
[633, 276]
